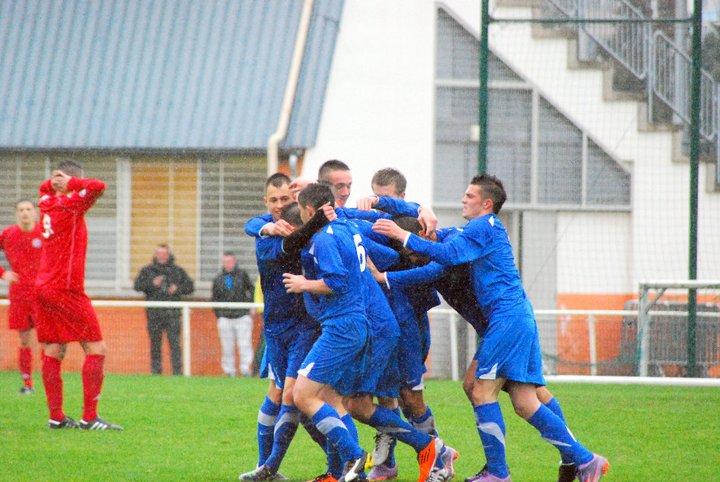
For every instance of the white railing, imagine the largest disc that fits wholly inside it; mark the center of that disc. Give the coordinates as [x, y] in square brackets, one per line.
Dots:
[448, 333]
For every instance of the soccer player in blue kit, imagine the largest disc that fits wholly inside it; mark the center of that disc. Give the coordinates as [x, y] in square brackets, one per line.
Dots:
[454, 283]
[340, 298]
[289, 334]
[509, 356]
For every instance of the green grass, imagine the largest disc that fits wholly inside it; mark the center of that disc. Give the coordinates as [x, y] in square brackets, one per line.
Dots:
[204, 429]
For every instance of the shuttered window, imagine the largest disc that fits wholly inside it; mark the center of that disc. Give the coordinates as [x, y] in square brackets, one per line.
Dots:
[21, 179]
[231, 193]
[531, 143]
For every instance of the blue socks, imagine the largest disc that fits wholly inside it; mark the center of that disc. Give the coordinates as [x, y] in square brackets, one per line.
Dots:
[554, 430]
[554, 407]
[285, 428]
[491, 427]
[328, 422]
[390, 422]
[425, 423]
[265, 428]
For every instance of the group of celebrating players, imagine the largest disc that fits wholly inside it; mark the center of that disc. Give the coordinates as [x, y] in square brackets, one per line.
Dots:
[347, 292]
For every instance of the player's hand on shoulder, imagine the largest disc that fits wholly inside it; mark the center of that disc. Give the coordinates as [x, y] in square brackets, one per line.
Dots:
[278, 228]
[367, 203]
[389, 228]
[428, 221]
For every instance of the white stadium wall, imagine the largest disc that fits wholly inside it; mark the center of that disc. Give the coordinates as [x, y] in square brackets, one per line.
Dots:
[379, 112]
[378, 109]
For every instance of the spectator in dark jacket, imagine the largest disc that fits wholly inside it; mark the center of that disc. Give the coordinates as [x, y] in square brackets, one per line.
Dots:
[234, 325]
[163, 280]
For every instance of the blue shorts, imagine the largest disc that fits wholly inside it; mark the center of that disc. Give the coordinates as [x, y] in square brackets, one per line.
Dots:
[286, 351]
[339, 355]
[510, 349]
[410, 356]
[264, 369]
[382, 376]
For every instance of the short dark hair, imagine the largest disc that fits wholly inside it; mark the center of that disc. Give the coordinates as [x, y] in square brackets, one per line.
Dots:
[331, 165]
[278, 179]
[387, 176]
[229, 253]
[70, 167]
[493, 188]
[315, 195]
[291, 214]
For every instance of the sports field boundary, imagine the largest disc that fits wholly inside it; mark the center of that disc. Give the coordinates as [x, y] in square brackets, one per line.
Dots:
[656, 381]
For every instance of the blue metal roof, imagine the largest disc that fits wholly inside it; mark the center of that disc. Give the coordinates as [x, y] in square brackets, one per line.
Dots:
[158, 74]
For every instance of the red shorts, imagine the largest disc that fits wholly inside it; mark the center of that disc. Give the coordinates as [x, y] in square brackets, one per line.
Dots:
[65, 316]
[21, 315]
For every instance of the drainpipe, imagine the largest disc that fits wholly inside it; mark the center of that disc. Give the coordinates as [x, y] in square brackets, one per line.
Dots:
[290, 88]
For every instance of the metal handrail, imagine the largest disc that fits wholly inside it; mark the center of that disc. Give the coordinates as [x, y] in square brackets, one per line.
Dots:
[650, 57]
[626, 43]
[671, 84]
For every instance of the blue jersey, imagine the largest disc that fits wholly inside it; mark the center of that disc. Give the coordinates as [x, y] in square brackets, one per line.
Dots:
[383, 256]
[283, 310]
[453, 283]
[336, 254]
[398, 207]
[386, 208]
[255, 225]
[484, 243]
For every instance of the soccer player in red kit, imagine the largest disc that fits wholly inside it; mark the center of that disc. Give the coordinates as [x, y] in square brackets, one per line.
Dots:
[22, 243]
[65, 313]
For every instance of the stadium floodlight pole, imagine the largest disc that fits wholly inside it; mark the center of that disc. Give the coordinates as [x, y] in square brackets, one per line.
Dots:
[483, 93]
[694, 166]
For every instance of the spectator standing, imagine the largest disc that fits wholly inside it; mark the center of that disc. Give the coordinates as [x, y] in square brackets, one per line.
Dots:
[22, 243]
[235, 326]
[163, 280]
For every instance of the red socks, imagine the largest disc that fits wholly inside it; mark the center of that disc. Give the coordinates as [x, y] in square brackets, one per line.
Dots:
[92, 377]
[25, 360]
[52, 379]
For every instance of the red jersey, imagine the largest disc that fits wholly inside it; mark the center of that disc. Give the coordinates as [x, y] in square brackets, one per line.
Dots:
[22, 250]
[64, 232]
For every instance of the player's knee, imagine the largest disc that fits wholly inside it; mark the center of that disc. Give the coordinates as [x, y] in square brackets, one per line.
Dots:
[288, 397]
[275, 394]
[468, 388]
[360, 408]
[414, 402]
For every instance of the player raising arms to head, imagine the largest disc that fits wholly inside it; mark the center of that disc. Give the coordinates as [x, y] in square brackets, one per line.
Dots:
[65, 313]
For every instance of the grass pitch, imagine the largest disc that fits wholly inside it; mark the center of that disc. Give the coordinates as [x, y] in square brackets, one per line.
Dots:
[205, 429]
